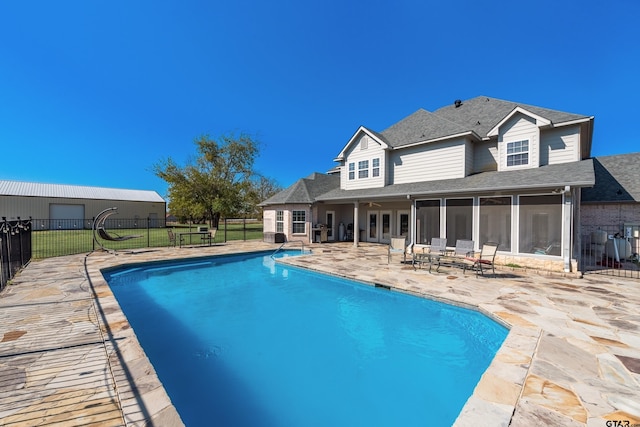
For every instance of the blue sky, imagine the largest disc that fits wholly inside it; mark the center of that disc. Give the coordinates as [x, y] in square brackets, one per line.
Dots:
[96, 92]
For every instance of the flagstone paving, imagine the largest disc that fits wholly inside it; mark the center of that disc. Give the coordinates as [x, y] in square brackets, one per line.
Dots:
[69, 357]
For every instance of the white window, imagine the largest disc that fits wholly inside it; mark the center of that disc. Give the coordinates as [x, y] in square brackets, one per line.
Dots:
[363, 169]
[279, 221]
[352, 171]
[375, 168]
[299, 222]
[518, 153]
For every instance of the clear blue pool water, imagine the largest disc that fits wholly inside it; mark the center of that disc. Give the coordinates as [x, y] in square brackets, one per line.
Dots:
[244, 341]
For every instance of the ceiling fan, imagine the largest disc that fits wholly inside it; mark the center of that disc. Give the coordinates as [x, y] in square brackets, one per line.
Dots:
[371, 204]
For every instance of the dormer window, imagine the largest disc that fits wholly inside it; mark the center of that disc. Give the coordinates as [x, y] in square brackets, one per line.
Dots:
[518, 153]
[375, 171]
[363, 169]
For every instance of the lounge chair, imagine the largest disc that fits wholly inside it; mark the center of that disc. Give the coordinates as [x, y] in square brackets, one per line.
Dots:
[398, 245]
[436, 250]
[99, 229]
[484, 260]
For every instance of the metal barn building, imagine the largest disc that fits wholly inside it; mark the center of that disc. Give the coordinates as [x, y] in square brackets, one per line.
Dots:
[73, 206]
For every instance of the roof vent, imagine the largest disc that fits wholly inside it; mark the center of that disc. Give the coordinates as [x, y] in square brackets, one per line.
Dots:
[457, 103]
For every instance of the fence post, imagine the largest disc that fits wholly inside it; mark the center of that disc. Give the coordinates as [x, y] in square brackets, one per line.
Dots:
[18, 228]
[148, 232]
[225, 229]
[5, 273]
[244, 228]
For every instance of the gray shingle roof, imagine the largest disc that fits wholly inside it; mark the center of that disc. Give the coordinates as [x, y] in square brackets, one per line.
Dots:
[575, 174]
[617, 179]
[420, 126]
[36, 189]
[305, 190]
[477, 115]
[482, 113]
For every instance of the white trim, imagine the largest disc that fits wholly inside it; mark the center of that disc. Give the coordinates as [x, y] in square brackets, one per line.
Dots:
[540, 121]
[352, 140]
[442, 138]
[573, 122]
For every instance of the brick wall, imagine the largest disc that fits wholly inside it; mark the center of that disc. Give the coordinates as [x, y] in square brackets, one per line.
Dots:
[608, 214]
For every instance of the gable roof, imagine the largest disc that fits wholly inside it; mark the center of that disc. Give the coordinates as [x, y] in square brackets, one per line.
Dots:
[305, 190]
[616, 180]
[482, 113]
[37, 189]
[421, 126]
[362, 130]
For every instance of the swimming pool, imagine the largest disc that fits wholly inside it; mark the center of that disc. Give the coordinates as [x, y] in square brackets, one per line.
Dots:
[242, 340]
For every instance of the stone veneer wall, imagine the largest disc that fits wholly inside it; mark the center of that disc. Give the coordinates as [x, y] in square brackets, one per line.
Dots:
[555, 265]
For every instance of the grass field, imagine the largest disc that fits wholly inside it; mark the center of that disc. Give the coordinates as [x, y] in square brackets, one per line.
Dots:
[51, 243]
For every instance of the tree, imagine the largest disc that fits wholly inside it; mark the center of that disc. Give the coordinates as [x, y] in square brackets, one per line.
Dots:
[218, 183]
[261, 189]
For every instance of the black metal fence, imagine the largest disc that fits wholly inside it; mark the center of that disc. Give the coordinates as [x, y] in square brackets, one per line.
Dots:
[58, 237]
[612, 250]
[15, 248]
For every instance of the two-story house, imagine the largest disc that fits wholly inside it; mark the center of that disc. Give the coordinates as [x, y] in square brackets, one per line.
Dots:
[482, 169]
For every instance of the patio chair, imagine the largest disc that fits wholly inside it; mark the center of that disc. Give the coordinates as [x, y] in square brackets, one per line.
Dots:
[210, 237]
[484, 260]
[464, 248]
[436, 250]
[398, 245]
[173, 238]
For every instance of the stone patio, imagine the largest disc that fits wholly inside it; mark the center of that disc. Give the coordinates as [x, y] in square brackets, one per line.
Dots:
[69, 357]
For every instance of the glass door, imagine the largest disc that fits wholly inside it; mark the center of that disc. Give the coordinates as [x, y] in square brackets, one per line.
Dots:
[331, 225]
[385, 219]
[372, 226]
[403, 224]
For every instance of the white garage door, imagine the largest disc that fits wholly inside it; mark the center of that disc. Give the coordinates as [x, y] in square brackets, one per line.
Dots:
[66, 217]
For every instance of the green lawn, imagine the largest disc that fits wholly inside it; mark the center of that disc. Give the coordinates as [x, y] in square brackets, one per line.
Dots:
[51, 243]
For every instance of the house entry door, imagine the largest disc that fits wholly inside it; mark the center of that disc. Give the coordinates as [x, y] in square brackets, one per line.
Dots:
[372, 226]
[385, 227]
[331, 225]
[379, 226]
[402, 224]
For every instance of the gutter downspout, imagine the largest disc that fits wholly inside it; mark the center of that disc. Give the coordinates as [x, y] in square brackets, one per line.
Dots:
[356, 226]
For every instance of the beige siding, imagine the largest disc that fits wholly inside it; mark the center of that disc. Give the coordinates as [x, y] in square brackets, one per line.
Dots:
[430, 162]
[269, 220]
[485, 156]
[468, 156]
[520, 127]
[358, 153]
[560, 145]
[38, 207]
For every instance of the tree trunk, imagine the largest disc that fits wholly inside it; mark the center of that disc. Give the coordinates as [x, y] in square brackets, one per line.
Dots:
[215, 220]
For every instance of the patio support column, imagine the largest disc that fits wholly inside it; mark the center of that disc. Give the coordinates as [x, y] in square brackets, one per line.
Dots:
[413, 223]
[567, 215]
[356, 226]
